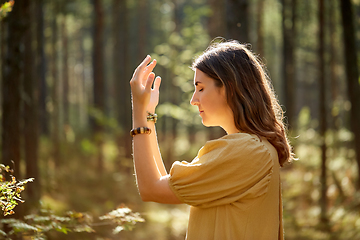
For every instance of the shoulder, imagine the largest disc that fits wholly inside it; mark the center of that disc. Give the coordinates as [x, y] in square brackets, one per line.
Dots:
[236, 141]
[238, 145]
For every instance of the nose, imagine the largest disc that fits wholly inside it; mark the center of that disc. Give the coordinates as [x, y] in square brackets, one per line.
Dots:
[194, 100]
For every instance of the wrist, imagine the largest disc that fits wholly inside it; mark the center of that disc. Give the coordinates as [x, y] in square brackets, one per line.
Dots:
[137, 111]
[143, 118]
[139, 108]
[139, 117]
[150, 110]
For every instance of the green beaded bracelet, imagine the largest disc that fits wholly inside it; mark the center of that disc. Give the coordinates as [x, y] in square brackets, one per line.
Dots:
[151, 117]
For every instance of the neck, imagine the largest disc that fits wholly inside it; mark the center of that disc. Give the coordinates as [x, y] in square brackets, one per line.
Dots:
[230, 129]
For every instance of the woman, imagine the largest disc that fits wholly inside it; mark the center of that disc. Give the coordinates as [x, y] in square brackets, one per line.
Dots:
[233, 185]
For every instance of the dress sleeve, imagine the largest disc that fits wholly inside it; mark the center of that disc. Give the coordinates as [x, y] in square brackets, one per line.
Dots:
[225, 171]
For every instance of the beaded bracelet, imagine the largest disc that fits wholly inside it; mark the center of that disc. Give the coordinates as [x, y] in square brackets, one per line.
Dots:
[140, 130]
[151, 117]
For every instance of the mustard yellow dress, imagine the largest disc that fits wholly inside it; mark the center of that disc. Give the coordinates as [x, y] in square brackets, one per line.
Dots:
[233, 187]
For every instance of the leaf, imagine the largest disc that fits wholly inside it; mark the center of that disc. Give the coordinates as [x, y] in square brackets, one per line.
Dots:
[2, 233]
[84, 228]
[117, 229]
[64, 230]
[23, 227]
[117, 213]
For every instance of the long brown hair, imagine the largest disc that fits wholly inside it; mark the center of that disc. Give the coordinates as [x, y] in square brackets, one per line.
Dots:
[249, 93]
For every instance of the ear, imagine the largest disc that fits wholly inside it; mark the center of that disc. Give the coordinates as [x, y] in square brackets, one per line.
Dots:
[223, 91]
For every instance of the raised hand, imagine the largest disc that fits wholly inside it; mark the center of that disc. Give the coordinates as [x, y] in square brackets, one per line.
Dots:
[143, 96]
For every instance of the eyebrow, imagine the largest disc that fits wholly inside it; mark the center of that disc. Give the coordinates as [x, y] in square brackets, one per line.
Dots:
[196, 83]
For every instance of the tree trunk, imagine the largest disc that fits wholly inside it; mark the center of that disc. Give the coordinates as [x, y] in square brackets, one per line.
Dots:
[322, 117]
[352, 75]
[65, 71]
[142, 17]
[84, 103]
[31, 129]
[333, 61]
[216, 23]
[98, 68]
[237, 20]
[260, 28]
[41, 68]
[3, 46]
[55, 89]
[289, 35]
[12, 70]
[173, 94]
[121, 73]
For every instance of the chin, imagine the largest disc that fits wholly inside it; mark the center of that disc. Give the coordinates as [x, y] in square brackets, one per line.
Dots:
[204, 124]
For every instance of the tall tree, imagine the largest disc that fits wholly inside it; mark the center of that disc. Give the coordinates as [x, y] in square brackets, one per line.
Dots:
[11, 82]
[173, 92]
[260, 27]
[352, 75]
[65, 68]
[99, 81]
[216, 23]
[79, 70]
[121, 72]
[322, 115]
[55, 136]
[237, 12]
[289, 35]
[333, 21]
[3, 47]
[31, 129]
[41, 67]
[13, 73]
[142, 28]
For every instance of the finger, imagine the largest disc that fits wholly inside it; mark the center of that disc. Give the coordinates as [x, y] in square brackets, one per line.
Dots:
[150, 67]
[145, 61]
[142, 65]
[149, 81]
[157, 83]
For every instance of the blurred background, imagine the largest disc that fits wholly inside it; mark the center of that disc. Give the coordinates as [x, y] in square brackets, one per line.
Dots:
[66, 106]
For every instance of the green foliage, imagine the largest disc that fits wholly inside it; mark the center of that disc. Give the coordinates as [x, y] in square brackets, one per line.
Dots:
[123, 217]
[37, 225]
[6, 8]
[10, 190]
[301, 185]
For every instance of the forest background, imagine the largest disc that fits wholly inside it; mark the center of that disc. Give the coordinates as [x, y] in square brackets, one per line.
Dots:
[66, 107]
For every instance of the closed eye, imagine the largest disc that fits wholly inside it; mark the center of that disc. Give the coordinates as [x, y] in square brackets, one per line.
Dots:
[201, 90]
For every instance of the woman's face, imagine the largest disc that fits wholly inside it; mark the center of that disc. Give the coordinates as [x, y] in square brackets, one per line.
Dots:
[211, 101]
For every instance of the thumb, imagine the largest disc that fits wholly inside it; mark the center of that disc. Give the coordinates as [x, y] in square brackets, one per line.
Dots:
[149, 81]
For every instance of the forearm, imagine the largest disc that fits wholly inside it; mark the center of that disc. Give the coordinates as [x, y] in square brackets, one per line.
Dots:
[155, 149]
[147, 160]
[153, 183]
[140, 122]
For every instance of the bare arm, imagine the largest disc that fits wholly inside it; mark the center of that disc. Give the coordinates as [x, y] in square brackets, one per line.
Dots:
[151, 176]
[155, 149]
